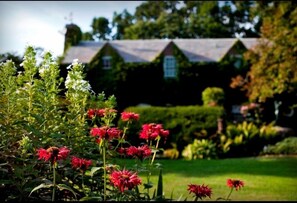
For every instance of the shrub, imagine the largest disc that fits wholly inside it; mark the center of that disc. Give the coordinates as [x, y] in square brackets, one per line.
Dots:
[200, 149]
[286, 146]
[184, 122]
[213, 96]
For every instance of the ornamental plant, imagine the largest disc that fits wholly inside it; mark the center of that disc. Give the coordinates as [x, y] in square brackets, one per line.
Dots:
[69, 143]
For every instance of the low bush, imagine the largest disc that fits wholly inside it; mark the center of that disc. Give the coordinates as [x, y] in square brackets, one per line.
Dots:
[286, 146]
[184, 122]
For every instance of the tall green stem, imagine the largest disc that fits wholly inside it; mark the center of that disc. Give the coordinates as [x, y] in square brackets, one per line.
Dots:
[54, 182]
[155, 152]
[229, 193]
[104, 169]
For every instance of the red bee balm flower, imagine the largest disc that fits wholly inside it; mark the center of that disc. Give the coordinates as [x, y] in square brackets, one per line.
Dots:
[200, 191]
[91, 113]
[81, 164]
[106, 133]
[237, 184]
[129, 116]
[124, 180]
[152, 131]
[53, 154]
[139, 152]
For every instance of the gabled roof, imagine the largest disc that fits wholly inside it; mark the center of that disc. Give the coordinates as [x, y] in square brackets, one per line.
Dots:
[84, 52]
[250, 43]
[196, 50]
[205, 50]
[139, 50]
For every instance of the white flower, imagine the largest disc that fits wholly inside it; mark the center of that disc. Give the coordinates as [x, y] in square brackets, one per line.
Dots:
[75, 62]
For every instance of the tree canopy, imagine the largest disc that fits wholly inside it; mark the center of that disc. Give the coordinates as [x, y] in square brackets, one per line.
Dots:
[273, 70]
[181, 19]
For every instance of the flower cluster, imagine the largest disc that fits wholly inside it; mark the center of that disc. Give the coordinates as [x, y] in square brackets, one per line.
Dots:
[124, 180]
[105, 132]
[141, 152]
[80, 163]
[129, 116]
[233, 183]
[200, 191]
[152, 131]
[245, 109]
[53, 154]
[92, 113]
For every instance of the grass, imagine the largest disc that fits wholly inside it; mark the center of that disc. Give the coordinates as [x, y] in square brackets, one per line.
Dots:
[265, 178]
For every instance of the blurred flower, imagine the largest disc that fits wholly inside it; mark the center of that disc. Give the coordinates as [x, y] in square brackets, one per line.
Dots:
[79, 163]
[124, 180]
[152, 130]
[53, 154]
[237, 184]
[129, 116]
[139, 152]
[200, 191]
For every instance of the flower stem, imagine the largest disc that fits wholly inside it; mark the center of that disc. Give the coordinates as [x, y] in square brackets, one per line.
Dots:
[229, 194]
[104, 170]
[54, 182]
[155, 152]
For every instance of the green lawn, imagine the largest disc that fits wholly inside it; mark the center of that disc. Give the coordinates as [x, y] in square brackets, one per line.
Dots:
[265, 178]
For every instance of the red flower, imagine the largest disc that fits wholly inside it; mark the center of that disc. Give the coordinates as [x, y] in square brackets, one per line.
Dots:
[129, 116]
[100, 132]
[105, 132]
[53, 154]
[82, 164]
[139, 152]
[237, 184]
[121, 150]
[152, 131]
[91, 113]
[124, 180]
[200, 191]
[113, 133]
[105, 112]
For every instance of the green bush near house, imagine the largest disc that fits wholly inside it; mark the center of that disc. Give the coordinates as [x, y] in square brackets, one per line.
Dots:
[286, 146]
[185, 123]
[213, 96]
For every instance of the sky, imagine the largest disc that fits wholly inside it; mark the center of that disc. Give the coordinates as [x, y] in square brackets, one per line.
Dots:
[42, 23]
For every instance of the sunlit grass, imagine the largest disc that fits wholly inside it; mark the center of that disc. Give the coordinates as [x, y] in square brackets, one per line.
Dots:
[265, 178]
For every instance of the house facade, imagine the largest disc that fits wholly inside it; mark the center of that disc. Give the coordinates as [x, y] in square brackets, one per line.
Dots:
[160, 71]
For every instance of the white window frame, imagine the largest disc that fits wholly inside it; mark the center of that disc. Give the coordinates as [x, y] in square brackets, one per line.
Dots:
[169, 67]
[106, 62]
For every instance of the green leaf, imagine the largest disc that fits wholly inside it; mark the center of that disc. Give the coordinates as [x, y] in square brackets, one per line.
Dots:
[148, 185]
[66, 187]
[91, 199]
[42, 185]
[94, 169]
[160, 185]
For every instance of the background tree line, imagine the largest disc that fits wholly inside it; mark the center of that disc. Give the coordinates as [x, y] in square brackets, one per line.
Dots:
[181, 19]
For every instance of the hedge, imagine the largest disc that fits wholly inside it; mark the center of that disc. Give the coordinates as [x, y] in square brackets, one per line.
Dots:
[184, 123]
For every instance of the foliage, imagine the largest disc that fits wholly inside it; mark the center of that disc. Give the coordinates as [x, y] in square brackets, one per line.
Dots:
[200, 149]
[213, 96]
[100, 27]
[184, 122]
[286, 146]
[247, 138]
[274, 59]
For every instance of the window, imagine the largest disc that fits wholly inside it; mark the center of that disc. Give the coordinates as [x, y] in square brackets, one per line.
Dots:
[106, 60]
[169, 67]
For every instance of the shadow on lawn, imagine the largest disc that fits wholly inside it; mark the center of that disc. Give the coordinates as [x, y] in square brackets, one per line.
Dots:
[284, 166]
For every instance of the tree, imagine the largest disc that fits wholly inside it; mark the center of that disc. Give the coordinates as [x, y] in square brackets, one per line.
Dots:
[100, 28]
[120, 22]
[273, 69]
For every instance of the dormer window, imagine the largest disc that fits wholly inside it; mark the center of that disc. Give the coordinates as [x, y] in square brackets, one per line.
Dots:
[106, 61]
[169, 67]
